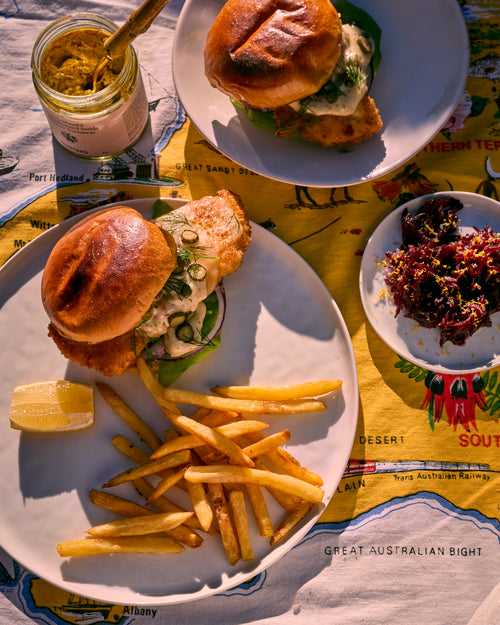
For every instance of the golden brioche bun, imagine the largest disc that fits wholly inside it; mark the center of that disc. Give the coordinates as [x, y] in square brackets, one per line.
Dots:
[268, 53]
[102, 275]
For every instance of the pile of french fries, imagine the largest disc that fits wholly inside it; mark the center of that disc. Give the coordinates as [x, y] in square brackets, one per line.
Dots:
[220, 457]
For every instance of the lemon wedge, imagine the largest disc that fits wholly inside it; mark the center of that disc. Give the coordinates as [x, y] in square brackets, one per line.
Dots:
[55, 406]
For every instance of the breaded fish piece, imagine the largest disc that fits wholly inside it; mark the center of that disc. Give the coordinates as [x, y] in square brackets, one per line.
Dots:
[332, 130]
[223, 228]
[110, 358]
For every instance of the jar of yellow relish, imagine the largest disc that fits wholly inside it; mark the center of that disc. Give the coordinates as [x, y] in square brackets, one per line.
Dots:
[91, 124]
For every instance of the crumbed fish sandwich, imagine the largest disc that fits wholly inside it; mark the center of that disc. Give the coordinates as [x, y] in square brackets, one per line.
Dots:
[118, 286]
[298, 67]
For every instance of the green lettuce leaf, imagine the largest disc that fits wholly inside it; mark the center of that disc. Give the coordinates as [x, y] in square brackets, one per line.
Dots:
[170, 370]
[160, 207]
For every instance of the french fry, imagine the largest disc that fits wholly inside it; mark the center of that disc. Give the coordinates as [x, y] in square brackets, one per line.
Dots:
[140, 427]
[286, 500]
[154, 467]
[267, 444]
[238, 508]
[139, 525]
[130, 544]
[288, 456]
[259, 509]
[290, 521]
[279, 393]
[213, 418]
[168, 479]
[212, 437]
[201, 505]
[164, 504]
[191, 426]
[200, 413]
[121, 506]
[215, 402]
[237, 474]
[154, 387]
[129, 449]
[184, 534]
[283, 461]
[169, 435]
[227, 531]
[191, 441]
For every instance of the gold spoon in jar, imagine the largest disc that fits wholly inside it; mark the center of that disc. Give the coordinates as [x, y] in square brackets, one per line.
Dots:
[137, 24]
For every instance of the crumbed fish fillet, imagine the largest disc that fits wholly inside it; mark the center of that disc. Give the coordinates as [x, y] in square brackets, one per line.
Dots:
[332, 130]
[223, 229]
[110, 358]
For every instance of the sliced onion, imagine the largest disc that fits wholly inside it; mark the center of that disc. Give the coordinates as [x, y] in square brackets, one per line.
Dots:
[155, 352]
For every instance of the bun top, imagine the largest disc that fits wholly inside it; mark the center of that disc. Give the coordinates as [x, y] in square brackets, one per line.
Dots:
[102, 275]
[268, 53]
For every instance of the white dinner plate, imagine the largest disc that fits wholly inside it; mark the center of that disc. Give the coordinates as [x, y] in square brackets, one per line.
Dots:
[425, 60]
[410, 340]
[281, 327]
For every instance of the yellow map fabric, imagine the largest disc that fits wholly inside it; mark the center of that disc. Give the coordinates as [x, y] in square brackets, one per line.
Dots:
[417, 432]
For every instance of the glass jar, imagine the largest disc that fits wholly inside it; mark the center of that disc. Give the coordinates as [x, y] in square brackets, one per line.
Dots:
[99, 125]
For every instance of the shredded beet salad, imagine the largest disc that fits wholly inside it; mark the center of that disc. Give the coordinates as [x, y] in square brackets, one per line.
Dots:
[443, 279]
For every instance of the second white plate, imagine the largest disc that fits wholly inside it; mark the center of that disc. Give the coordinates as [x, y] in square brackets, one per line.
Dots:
[425, 60]
[410, 340]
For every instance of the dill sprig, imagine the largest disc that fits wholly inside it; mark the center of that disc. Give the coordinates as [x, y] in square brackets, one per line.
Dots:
[173, 287]
[354, 76]
[236, 220]
[140, 333]
[191, 253]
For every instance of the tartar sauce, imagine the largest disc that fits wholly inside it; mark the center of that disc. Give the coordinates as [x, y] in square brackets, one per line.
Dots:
[174, 346]
[183, 293]
[350, 79]
[168, 304]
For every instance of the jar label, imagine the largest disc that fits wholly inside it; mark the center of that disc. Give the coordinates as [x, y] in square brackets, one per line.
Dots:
[103, 135]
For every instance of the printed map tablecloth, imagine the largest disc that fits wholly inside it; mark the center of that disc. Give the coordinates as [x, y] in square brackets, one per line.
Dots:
[412, 534]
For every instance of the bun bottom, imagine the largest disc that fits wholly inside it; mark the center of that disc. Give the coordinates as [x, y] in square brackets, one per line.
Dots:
[110, 358]
[331, 130]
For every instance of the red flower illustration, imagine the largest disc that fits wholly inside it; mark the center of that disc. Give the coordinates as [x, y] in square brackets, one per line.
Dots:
[410, 178]
[458, 395]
